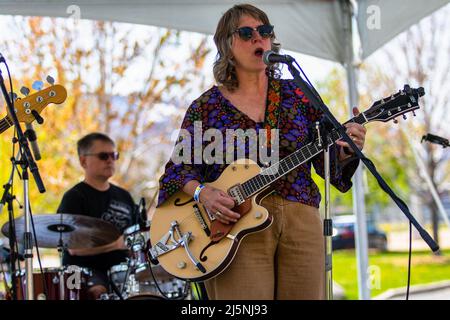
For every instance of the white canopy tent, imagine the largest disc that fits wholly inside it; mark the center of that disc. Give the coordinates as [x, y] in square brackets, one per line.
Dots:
[313, 27]
[323, 28]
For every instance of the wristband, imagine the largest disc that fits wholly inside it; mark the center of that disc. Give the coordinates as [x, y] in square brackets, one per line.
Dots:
[197, 193]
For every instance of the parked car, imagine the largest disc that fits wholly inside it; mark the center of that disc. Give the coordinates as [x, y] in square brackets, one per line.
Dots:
[344, 234]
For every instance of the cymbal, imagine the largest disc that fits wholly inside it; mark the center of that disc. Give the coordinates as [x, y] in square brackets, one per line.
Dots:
[75, 231]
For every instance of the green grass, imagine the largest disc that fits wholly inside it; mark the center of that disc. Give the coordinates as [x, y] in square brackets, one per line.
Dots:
[392, 268]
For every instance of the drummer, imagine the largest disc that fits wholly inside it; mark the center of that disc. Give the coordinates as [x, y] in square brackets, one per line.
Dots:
[95, 196]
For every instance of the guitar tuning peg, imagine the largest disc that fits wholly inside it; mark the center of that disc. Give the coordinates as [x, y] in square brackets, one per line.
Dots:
[50, 80]
[25, 91]
[395, 121]
[404, 116]
[407, 89]
[38, 85]
[13, 96]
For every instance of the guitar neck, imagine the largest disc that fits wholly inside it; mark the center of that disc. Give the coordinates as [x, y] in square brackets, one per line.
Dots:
[5, 123]
[292, 161]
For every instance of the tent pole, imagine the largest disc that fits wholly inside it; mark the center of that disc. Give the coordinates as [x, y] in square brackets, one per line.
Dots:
[415, 147]
[361, 242]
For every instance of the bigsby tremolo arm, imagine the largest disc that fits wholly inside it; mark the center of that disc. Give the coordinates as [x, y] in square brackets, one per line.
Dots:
[169, 242]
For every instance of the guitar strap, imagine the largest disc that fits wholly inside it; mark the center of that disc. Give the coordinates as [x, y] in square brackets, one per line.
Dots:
[272, 115]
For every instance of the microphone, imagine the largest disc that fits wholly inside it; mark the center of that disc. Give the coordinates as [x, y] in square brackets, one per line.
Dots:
[435, 139]
[271, 57]
[31, 135]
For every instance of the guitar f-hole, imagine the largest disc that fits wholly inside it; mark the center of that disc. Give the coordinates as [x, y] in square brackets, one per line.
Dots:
[204, 258]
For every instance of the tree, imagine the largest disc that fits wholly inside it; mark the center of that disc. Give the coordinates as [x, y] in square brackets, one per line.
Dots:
[131, 82]
[419, 57]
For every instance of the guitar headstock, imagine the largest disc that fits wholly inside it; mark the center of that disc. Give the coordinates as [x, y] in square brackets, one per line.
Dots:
[404, 101]
[29, 107]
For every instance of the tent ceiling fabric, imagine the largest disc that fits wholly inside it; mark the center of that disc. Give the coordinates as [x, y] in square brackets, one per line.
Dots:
[312, 27]
[396, 16]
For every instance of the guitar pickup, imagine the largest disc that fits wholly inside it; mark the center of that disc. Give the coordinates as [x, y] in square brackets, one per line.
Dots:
[201, 220]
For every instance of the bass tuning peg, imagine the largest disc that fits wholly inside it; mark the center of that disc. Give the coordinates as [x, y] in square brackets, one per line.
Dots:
[25, 91]
[38, 85]
[50, 80]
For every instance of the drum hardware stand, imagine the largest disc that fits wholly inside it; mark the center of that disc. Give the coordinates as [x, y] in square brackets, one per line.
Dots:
[26, 162]
[130, 265]
[61, 247]
[8, 198]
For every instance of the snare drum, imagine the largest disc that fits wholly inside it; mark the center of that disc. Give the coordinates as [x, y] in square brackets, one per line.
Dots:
[67, 283]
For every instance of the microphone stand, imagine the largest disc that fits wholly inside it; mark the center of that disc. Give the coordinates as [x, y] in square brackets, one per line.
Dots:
[26, 162]
[8, 198]
[436, 140]
[323, 134]
[318, 104]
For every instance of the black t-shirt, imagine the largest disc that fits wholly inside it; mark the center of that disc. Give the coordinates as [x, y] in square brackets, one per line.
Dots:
[114, 205]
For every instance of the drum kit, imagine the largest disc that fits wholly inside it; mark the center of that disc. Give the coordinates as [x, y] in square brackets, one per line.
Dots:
[136, 279]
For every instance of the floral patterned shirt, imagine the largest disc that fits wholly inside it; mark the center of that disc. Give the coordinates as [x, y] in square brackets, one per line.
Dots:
[293, 118]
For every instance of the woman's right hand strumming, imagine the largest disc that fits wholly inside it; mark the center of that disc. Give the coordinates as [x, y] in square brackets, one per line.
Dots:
[216, 201]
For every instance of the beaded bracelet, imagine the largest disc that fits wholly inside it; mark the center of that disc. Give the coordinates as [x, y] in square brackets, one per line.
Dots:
[197, 193]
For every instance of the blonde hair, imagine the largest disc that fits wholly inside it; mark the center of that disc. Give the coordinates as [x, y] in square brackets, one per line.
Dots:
[224, 69]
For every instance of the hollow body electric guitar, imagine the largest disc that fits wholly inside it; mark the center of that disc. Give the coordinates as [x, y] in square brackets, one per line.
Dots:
[191, 244]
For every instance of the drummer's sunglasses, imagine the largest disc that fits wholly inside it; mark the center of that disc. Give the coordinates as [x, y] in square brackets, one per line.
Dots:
[246, 33]
[105, 155]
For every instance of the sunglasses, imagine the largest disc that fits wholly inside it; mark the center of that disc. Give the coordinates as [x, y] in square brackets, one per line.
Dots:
[246, 33]
[105, 155]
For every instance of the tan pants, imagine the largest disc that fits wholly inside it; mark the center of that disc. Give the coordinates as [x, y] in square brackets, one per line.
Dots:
[283, 262]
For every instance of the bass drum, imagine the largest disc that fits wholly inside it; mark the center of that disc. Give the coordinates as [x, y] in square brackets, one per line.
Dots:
[67, 283]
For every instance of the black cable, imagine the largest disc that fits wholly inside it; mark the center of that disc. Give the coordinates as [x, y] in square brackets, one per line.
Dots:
[182, 297]
[20, 207]
[13, 227]
[14, 251]
[127, 274]
[147, 255]
[310, 85]
[44, 283]
[409, 261]
[10, 82]
[16, 258]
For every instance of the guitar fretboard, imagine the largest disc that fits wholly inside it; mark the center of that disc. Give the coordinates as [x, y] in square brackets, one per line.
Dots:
[5, 123]
[292, 161]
